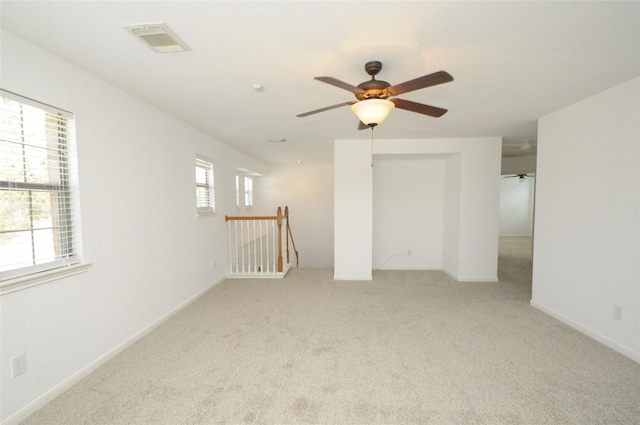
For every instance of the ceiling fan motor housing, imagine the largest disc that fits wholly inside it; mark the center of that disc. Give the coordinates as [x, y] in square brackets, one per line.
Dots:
[373, 88]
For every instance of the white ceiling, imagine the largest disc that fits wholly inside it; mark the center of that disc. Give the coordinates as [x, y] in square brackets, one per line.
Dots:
[513, 62]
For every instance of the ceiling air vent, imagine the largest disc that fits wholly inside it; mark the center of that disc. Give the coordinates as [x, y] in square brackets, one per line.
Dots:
[158, 37]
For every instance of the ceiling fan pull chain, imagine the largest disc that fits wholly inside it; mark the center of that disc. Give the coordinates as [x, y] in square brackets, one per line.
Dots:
[372, 146]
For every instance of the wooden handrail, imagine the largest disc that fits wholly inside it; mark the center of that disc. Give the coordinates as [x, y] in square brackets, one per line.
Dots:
[253, 217]
[290, 235]
[278, 218]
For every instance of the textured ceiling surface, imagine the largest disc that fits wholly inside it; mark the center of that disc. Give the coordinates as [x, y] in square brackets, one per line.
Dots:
[513, 62]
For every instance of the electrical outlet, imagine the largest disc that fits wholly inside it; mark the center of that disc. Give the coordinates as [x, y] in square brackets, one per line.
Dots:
[617, 311]
[18, 365]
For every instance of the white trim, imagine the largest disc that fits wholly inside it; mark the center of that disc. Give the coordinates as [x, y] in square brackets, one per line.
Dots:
[352, 277]
[616, 346]
[27, 281]
[482, 279]
[63, 386]
[451, 275]
[206, 214]
[479, 279]
[411, 268]
[36, 104]
[204, 158]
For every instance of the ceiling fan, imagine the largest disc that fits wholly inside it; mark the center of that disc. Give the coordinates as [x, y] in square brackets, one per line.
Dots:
[373, 104]
[520, 177]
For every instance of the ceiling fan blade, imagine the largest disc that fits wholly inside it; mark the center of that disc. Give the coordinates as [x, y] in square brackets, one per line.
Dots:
[340, 84]
[362, 126]
[420, 108]
[434, 79]
[315, 111]
[518, 176]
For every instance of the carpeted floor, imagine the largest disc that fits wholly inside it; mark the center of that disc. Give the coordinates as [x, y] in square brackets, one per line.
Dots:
[410, 347]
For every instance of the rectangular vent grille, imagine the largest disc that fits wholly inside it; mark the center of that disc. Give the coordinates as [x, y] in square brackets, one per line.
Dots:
[158, 37]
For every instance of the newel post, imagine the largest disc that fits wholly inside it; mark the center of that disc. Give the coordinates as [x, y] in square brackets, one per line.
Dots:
[279, 217]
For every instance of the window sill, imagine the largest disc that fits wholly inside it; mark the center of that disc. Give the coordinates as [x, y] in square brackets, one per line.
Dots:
[24, 282]
[206, 215]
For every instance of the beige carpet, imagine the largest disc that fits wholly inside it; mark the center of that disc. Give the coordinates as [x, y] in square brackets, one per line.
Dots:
[407, 348]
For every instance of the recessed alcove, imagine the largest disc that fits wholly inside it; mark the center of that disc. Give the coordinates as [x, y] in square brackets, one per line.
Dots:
[465, 187]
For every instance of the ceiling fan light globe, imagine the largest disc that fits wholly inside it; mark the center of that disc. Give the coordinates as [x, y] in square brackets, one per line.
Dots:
[372, 111]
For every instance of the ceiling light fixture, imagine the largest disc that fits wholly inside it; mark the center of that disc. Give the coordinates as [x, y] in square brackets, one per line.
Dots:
[372, 112]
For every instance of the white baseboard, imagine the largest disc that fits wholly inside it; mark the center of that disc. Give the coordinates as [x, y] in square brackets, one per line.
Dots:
[410, 268]
[451, 275]
[482, 279]
[69, 382]
[614, 345]
[349, 277]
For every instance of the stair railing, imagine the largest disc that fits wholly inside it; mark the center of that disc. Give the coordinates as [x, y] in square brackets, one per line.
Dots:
[290, 236]
[255, 245]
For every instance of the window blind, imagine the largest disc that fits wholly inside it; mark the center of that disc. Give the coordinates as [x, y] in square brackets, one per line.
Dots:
[205, 202]
[36, 201]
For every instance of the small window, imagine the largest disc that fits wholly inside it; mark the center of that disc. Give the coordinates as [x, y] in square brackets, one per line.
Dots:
[237, 191]
[244, 189]
[205, 199]
[248, 191]
[38, 224]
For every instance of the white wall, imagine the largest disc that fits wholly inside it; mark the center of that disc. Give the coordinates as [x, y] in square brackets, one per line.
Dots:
[519, 164]
[406, 191]
[516, 206]
[587, 227]
[353, 210]
[452, 215]
[471, 203]
[479, 209]
[149, 252]
[308, 192]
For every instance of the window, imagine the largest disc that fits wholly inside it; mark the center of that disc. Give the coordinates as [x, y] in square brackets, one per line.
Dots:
[248, 191]
[244, 188]
[205, 199]
[37, 221]
[237, 191]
